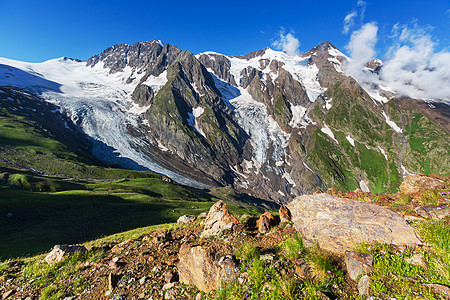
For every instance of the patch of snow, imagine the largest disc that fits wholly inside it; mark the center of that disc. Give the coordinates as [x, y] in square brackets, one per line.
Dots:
[364, 187]
[162, 147]
[384, 152]
[281, 193]
[156, 82]
[328, 132]
[350, 140]
[405, 171]
[289, 179]
[328, 104]
[308, 167]
[252, 116]
[299, 117]
[374, 94]
[279, 163]
[392, 124]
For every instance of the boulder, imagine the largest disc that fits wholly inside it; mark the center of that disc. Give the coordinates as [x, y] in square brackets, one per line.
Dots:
[285, 214]
[186, 219]
[357, 263]
[416, 183]
[59, 252]
[339, 224]
[218, 220]
[265, 222]
[198, 266]
[432, 211]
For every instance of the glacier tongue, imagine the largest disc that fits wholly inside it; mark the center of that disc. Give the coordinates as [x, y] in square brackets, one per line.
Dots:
[98, 101]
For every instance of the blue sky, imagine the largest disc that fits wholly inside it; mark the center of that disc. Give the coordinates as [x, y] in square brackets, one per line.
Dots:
[40, 30]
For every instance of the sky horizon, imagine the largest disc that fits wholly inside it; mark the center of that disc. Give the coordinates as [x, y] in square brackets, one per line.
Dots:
[36, 31]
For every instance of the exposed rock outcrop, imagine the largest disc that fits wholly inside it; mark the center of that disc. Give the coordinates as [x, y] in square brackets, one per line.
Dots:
[218, 219]
[199, 266]
[59, 252]
[265, 222]
[417, 183]
[358, 263]
[339, 224]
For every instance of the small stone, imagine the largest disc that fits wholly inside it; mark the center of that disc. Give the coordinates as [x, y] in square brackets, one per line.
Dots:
[202, 215]
[186, 219]
[357, 263]
[440, 289]
[301, 267]
[59, 252]
[7, 294]
[417, 260]
[168, 285]
[112, 281]
[108, 292]
[170, 294]
[432, 211]
[115, 259]
[142, 280]
[411, 219]
[268, 257]
[199, 296]
[364, 285]
[169, 276]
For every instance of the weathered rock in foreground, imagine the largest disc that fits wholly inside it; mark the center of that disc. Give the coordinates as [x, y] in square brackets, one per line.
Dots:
[358, 263]
[432, 211]
[186, 219]
[416, 183]
[285, 215]
[198, 266]
[339, 224]
[218, 219]
[59, 252]
[265, 222]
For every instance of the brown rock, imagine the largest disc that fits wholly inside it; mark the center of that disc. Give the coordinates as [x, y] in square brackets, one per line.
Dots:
[357, 263]
[265, 222]
[416, 183]
[285, 214]
[440, 289]
[113, 279]
[59, 252]
[218, 219]
[339, 224]
[417, 260]
[432, 211]
[198, 266]
[7, 294]
[301, 267]
[334, 192]
[169, 277]
[364, 285]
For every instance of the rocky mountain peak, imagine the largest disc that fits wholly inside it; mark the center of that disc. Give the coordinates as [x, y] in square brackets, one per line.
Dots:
[136, 56]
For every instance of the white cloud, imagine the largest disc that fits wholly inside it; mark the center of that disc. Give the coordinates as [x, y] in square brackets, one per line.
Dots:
[361, 48]
[288, 43]
[349, 22]
[412, 67]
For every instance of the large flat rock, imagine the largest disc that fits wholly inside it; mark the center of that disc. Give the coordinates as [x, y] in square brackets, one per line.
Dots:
[340, 224]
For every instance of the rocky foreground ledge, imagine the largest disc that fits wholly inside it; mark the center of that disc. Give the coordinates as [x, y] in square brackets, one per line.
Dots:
[347, 238]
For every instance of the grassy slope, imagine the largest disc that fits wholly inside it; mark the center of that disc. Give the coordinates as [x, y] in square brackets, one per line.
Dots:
[341, 165]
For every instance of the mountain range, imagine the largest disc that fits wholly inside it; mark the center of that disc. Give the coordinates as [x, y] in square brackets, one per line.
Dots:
[268, 124]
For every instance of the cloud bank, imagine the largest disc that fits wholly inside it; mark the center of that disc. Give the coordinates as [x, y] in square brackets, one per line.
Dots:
[287, 43]
[412, 67]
